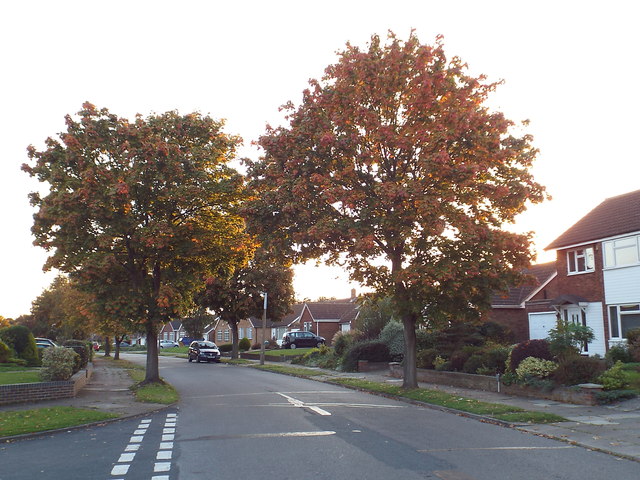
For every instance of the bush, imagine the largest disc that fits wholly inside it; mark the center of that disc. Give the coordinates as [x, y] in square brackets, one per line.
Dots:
[5, 352]
[82, 349]
[494, 360]
[392, 335]
[496, 332]
[460, 357]
[342, 341]
[619, 353]
[225, 347]
[566, 338]
[530, 348]
[20, 339]
[244, 344]
[473, 363]
[633, 336]
[614, 378]
[578, 369]
[57, 364]
[425, 358]
[372, 351]
[535, 367]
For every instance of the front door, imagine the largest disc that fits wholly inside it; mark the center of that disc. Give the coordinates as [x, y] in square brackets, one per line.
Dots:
[577, 316]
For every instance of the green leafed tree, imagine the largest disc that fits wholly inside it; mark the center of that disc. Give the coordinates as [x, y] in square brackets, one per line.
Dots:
[394, 166]
[143, 208]
[240, 296]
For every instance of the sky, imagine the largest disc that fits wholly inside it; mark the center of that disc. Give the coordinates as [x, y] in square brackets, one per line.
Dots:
[570, 67]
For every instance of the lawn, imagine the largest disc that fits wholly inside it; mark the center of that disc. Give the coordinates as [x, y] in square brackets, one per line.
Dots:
[151, 393]
[41, 419]
[632, 373]
[10, 374]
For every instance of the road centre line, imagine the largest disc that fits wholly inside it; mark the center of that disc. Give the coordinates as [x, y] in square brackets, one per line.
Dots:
[320, 433]
[298, 403]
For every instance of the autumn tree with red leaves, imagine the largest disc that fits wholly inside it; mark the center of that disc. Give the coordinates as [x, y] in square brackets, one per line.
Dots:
[140, 212]
[394, 167]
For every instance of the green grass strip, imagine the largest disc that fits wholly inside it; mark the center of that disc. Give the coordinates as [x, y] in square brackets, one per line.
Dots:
[300, 372]
[434, 397]
[20, 376]
[41, 419]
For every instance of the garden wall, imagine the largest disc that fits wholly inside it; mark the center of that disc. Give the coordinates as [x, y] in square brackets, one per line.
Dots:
[37, 392]
[581, 395]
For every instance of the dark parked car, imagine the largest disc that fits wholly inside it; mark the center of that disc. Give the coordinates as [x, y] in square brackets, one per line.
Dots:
[203, 351]
[301, 339]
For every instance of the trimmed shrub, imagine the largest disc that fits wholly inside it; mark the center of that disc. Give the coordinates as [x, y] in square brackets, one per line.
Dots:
[614, 378]
[392, 335]
[494, 360]
[342, 341]
[225, 347]
[57, 364]
[619, 353]
[244, 344]
[460, 357]
[83, 349]
[5, 352]
[579, 369]
[425, 358]
[20, 339]
[530, 348]
[473, 363]
[371, 351]
[633, 336]
[535, 367]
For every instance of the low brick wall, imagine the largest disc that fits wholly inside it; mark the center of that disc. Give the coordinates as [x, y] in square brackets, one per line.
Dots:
[269, 358]
[37, 392]
[578, 395]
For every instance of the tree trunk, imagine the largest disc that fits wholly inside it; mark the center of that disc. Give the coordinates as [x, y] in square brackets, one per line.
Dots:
[116, 355]
[152, 372]
[107, 347]
[234, 339]
[410, 379]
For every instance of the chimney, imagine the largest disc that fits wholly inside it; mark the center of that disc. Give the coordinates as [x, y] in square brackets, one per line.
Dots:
[353, 294]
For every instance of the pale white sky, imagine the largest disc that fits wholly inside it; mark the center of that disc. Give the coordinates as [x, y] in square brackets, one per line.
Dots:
[571, 67]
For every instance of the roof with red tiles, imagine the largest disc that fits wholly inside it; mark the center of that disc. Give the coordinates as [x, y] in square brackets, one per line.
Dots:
[615, 216]
[516, 296]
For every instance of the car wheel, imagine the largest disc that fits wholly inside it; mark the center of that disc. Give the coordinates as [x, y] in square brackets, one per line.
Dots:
[320, 344]
[293, 345]
[198, 359]
[190, 359]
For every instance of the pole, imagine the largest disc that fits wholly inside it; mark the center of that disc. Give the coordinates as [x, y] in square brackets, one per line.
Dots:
[264, 329]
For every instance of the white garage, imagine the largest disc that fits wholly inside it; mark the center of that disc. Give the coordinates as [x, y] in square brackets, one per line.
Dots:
[540, 323]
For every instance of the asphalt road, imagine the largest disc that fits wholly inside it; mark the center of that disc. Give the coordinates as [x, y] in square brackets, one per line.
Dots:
[235, 422]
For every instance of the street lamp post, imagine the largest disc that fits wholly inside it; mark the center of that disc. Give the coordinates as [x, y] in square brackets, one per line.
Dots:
[264, 329]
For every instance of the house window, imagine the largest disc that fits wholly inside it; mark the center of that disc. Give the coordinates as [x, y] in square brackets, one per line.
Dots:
[226, 335]
[250, 333]
[308, 326]
[219, 335]
[240, 332]
[623, 318]
[580, 260]
[619, 253]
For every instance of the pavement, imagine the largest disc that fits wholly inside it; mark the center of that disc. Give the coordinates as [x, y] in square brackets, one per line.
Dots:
[613, 429]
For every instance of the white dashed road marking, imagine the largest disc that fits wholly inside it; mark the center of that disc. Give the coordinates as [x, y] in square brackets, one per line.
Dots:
[165, 449]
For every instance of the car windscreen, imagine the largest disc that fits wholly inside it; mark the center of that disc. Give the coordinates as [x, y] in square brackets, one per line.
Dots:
[207, 345]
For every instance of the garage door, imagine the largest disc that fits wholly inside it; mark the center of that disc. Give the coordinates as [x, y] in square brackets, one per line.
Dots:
[540, 324]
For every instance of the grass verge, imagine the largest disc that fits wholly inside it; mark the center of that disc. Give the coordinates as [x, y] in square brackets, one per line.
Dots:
[498, 411]
[299, 372]
[41, 419]
[151, 393]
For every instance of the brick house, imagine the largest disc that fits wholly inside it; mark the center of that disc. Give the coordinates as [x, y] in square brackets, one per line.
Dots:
[171, 331]
[326, 318]
[513, 308]
[597, 283]
[220, 332]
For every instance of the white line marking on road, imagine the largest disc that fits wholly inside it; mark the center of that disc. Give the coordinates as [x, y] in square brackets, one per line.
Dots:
[164, 455]
[136, 439]
[167, 438]
[160, 477]
[161, 467]
[126, 457]
[139, 432]
[172, 415]
[493, 448]
[132, 448]
[168, 430]
[146, 420]
[297, 403]
[120, 470]
[166, 445]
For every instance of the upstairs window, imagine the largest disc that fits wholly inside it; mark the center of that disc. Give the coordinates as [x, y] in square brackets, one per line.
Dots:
[580, 260]
[618, 253]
